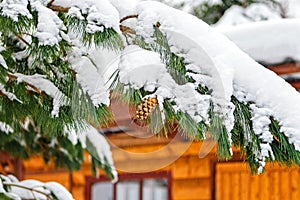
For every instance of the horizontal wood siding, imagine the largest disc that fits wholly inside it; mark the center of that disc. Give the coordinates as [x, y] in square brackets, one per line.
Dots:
[234, 181]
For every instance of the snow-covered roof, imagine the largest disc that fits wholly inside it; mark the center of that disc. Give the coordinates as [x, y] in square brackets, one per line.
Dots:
[268, 42]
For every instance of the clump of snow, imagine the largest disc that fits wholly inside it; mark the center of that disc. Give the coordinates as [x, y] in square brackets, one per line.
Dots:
[236, 15]
[2, 62]
[207, 48]
[28, 194]
[6, 128]
[49, 25]
[58, 190]
[40, 82]
[9, 95]
[15, 8]
[100, 14]
[268, 41]
[260, 123]
[90, 79]
[33, 189]
[125, 7]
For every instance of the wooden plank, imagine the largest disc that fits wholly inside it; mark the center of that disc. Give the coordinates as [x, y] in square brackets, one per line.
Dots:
[227, 186]
[295, 184]
[191, 167]
[285, 183]
[285, 68]
[264, 189]
[219, 189]
[197, 189]
[245, 186]
[296, 85]
[274, 191]
[235, 186]
[254, 188]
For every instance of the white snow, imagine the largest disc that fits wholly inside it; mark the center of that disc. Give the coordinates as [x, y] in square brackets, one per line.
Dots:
[28, 194]
[9, 95]
[2, 62]
[99, 13]
[236, 15]
[15, 8]
[125, 7]
[6, 128]
[90, 79]
[40, 82]
[49, 25]
[58, 190]
[267, 41]
[212, 52]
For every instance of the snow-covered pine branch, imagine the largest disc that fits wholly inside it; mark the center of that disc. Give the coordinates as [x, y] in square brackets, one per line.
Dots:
[12, 188]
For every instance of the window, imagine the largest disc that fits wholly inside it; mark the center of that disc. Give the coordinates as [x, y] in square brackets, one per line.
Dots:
[144, 186]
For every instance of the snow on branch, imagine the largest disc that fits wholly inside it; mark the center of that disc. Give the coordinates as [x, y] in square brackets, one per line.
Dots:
[41, 83]
[15, 8]
[232, 70]
[99, 14]
[49, 25]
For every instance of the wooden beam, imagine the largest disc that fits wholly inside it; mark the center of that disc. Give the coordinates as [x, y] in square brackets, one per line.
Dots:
[288, 68]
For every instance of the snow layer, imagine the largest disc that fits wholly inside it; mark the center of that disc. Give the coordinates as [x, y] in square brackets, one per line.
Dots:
[211, 49]
[9, 95]
[125, 7]
[15, 8]
[99, 13]
[40, 82]
[236, 15]
[2, 62]
[26, 193]
[58, 190]
[89, 76]
[49, 25]
[6, 128]
[267, 41]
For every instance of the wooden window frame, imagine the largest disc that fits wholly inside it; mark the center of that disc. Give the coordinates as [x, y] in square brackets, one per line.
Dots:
[129, 177]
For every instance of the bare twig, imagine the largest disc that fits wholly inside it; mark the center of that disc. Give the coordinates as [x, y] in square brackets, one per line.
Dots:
[128, 17]
[126, 29]
[19, 37]
[57, 8]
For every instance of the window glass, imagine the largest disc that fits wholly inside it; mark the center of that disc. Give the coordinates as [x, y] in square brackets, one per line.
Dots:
[128, 190]
[102, 190]
[154, 189]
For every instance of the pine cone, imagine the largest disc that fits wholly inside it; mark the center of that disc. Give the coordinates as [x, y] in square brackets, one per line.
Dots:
[145, 108]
